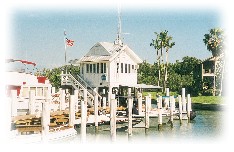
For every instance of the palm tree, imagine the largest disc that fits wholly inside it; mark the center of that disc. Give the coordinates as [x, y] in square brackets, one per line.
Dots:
[214, 41]
[169, 45]
[161, 42]
[156, 44]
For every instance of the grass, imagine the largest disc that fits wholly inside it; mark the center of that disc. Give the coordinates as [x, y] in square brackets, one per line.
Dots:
[198, 99]
[208, 99]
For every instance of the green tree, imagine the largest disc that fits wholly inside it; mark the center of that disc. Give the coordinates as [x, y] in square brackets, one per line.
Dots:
[162, 41]
[214, 41]
[54, 74]
[168, 45]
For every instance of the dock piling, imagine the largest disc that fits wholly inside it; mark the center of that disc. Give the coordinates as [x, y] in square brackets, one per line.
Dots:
[83, 116]
[180, 108]
[139, 97]
[188, 106]
[130, 104]
[183, 100]
[171, 110]
[160, 119]
[72, 110]
[146, 112]
[113, 105]
[96, 109]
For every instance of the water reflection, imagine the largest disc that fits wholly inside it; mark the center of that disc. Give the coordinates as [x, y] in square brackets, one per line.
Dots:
[206, 126]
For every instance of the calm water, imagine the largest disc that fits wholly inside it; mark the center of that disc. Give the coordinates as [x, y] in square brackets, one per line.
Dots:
[207, 126]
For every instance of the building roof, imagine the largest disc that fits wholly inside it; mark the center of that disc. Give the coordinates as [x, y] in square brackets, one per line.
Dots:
[106, 51]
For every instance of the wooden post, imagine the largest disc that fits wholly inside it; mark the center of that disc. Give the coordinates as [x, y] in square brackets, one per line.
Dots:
[113, 117]
[167, 98]
[130, 104]
[149, 104]
[160, 102]
[180, 108]
[62, 100]
[72, 110]
[146, 112]
[188, 106]
[14, 103]
[160, 119]
[109, 95]
[167, 92]
[76, 94]
[31, 103]
[139, 96]
[96, 109]
[83, 116]
[183, 100]
[171, 110]
[45, 119]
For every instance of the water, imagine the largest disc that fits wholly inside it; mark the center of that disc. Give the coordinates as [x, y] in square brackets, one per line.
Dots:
[207, 126]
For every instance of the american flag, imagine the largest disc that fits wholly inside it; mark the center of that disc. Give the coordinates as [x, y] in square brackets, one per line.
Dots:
[68, 41]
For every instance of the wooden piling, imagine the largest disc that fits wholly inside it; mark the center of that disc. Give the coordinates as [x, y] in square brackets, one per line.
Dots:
[96, 109]
[83, 116]
[160, 102]
[139, 97]
[149, 101]
[188, 106]
[171, 110]
[130, 104]
[183, 100]
[45, 119]
[167, 104]
[13, 103]
[113, 117]
[72, 110]
[180, 108]
[76, 96]
[62, 100]
[109, 95]
[160, 119]
[31, 103]
[146, 112]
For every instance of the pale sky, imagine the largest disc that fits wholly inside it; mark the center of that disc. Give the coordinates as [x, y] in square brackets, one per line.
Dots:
[37, 34]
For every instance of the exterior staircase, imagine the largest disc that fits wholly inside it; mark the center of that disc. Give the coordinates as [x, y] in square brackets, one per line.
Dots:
[80, 84]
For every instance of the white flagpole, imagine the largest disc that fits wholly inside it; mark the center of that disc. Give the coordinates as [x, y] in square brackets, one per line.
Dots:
[65, 45]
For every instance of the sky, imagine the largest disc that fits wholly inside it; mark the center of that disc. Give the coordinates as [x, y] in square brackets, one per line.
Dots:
[37, 34]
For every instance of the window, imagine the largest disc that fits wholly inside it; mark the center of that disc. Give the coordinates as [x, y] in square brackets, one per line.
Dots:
[121, 67]
[94, 68]
[91, 68]
[133, 71]
[129, 68]
[101, 67]
[97, 67]
[82, 69]
[117, 67]
[126, 68]
[104, 64]
[87, 68]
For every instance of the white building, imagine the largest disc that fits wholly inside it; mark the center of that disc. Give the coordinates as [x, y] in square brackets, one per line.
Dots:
[109, 65]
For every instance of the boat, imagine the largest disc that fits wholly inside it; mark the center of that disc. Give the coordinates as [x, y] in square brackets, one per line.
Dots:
[27, 122]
